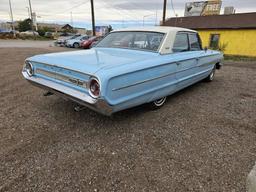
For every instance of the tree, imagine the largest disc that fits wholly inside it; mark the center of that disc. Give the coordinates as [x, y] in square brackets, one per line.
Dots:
[24, 25]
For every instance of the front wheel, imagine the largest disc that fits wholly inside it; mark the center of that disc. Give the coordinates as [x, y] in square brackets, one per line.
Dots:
[211, 76]
[76, 45]
[158, 103]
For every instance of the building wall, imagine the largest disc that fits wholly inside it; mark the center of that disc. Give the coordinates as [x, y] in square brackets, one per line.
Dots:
[239, 42]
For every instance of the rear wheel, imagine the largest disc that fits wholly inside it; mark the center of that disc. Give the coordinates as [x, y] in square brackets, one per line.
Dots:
[158, 103]
[76, 45]
[211, 76]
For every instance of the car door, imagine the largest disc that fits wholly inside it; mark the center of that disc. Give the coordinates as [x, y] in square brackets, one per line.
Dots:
[205, 59]
[186, 60]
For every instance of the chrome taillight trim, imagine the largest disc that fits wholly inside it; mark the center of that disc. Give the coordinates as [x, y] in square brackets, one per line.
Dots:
[26, 68]
[89, 87]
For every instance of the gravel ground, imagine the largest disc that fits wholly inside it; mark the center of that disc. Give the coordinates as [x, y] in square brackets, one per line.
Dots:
[203, 139]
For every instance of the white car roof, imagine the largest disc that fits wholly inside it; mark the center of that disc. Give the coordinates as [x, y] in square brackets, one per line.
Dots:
[161, 29]
[170, 35]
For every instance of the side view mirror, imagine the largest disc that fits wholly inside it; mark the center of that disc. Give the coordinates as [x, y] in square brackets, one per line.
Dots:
[205, 49]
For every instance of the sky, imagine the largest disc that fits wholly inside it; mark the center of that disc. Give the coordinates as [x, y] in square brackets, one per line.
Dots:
[118, 13]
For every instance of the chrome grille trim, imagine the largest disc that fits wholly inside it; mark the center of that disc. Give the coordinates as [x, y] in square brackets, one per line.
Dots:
[61, 77]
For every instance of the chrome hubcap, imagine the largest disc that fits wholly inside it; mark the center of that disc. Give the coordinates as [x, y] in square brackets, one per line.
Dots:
[160, 102]
[212, 75]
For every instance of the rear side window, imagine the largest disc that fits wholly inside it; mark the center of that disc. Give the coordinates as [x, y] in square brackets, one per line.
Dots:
[181, 43]
[194, 42]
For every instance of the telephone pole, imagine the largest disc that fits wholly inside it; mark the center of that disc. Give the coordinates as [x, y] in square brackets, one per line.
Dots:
[31, 15]
[164, 11]
[93, 19]
[10, 4]
[71, 18]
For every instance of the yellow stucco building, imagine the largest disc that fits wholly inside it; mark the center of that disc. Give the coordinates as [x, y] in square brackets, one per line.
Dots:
[235, 34]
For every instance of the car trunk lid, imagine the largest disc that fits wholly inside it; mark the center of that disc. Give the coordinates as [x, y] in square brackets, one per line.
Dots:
[90, 61]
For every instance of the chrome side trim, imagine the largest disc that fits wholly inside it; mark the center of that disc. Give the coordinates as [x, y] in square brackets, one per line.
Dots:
[144, 81]
[155, 78]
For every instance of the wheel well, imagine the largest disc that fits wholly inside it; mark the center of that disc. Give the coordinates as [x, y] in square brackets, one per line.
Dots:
[218, 65]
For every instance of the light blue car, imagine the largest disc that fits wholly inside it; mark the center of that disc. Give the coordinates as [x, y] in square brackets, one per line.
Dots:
[127, 68]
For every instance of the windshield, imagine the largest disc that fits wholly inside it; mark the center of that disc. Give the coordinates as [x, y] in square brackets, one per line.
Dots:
[150, 41]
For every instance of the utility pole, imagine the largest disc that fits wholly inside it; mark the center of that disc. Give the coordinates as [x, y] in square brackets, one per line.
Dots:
[28, 12]
[164, 12]
[71, 18]
[156, 19]
[10, 4]
[93, 19]
[31, 15]
[32, 26]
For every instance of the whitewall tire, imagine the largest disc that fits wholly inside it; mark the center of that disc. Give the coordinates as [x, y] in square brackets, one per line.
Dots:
[158, 103]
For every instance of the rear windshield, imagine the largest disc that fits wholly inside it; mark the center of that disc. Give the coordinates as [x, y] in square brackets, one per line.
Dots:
[148, 41]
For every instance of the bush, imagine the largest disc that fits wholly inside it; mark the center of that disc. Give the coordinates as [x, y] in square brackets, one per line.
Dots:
[41, 32]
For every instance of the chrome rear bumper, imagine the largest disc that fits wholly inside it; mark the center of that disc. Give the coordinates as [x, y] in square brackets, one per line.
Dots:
[97, 105]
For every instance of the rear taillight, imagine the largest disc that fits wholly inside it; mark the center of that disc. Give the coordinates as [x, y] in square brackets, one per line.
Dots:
[28, 67]
[94, 88]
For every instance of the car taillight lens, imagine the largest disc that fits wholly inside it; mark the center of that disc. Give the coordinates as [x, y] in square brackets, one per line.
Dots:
[29, 68]
[94, 88]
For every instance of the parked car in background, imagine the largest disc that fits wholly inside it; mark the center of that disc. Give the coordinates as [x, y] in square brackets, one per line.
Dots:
[86, 44]
[62, 40]
[75, 42]
[126, 69]
[49, 34]
[29, 33]
[8, 32]
[4, 31]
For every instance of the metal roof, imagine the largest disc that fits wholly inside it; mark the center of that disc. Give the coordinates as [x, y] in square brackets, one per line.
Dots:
[234, 21]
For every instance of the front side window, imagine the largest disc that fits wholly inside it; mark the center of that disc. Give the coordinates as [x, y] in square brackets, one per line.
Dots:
[148, 41]
[214, 41]
[181, 43]
[194, 42]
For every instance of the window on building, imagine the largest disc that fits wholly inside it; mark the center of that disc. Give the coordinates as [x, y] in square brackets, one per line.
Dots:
[194, 41]
[214, 41]
[181, 43]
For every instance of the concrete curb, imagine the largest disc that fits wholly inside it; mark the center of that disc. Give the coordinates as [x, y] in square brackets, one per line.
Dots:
[251, 180]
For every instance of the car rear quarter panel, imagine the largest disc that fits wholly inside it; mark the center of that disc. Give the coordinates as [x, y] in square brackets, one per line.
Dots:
[140, 82]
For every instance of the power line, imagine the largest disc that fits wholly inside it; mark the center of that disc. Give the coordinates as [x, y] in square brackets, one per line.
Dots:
[66, 10]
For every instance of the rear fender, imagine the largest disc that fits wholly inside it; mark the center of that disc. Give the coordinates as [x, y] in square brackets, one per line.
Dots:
[141, 86]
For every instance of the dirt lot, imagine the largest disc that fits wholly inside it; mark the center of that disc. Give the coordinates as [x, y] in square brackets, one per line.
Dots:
[10, 43]
[203, 139]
